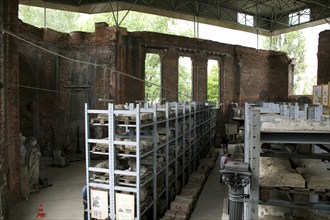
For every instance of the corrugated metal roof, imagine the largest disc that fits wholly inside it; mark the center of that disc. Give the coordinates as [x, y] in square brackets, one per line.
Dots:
[269, 17]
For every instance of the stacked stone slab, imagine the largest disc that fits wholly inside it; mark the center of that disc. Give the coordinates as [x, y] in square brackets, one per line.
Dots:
[315, 173]
[183, 204]
[275, 212]
[277, 172]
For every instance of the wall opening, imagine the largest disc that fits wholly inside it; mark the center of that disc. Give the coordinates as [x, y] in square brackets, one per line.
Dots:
[185, 79]
[213, 81]
[300, 17]
[153, 75]
[245, 19]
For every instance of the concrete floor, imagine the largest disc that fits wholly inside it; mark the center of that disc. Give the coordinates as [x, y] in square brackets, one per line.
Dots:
[211, 203]
[63, 199]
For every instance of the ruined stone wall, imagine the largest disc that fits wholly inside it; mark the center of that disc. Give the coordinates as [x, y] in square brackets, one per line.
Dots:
[83, 68]
[244, 73]
[323, 57]
[259, 71]
[9, 110]
[71, 70]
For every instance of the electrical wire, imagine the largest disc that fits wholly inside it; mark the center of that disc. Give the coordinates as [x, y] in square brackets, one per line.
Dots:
[87, 63]
[37, 88]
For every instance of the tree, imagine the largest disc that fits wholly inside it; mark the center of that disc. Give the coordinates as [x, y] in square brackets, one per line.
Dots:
[185, 79]
[152, 74]
[31, 15]
[213, 84]
[53, 19]
[293, 44]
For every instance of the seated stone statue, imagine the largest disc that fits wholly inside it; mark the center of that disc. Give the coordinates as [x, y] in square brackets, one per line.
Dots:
[59, 160]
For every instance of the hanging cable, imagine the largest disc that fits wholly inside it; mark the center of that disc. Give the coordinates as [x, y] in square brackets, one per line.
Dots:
[89, 63]
[113, 14]
[127, 12]
[40, 89]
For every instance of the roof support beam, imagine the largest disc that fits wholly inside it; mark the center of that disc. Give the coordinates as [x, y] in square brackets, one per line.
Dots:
[270, 15]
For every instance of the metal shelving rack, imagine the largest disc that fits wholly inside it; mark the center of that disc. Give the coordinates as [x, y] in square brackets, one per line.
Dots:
[188, 129]
[254, 138]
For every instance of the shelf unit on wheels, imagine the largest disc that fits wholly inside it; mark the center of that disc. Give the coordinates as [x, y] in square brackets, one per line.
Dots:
[255, 137]
[149, 151]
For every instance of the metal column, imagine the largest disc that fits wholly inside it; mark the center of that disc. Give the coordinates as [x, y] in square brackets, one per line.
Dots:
[111, 159]
[252, 156]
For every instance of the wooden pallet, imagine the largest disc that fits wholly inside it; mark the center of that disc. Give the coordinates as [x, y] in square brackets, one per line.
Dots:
[99, 120]
[100, 148]
[321, 191]
[127, 121]
[131, 119]
[100, 177]
[132, 179]
[296, 190]
[308, 195]
[131, 151]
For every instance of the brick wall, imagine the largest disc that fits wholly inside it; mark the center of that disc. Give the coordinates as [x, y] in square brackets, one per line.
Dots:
[9, 111]
[62, 86]
[323, 56]
[261, 71]
[241, 66]
[244, 73]
[200, 77]
[3, 118]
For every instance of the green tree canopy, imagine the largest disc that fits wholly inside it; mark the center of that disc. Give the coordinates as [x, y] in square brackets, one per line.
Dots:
[293, 44]
[213, 84]
[185, 79]
[152, 74]
[71, 21]
[63, 21]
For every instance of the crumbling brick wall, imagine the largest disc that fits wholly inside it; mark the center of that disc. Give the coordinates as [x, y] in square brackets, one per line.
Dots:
[244, 72]
[323, 57]
[259, 71]
[9, 103]
[71, 70]
[264, 70]
[92, 72]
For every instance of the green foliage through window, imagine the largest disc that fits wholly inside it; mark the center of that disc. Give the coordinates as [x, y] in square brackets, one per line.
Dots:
[213, 81]
[185, 79]
[152, 74]
[293, 44]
